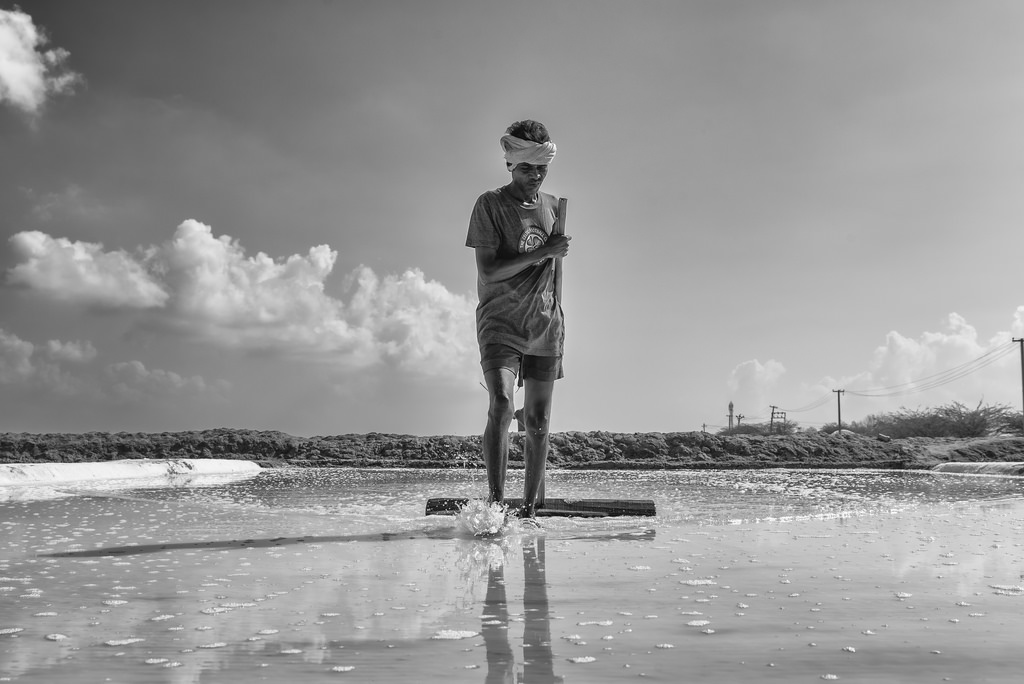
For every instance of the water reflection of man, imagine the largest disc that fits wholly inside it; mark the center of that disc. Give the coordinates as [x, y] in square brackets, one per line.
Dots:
[501, 662]
[538, 661]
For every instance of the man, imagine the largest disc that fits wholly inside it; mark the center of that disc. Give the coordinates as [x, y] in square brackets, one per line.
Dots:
[519, 318]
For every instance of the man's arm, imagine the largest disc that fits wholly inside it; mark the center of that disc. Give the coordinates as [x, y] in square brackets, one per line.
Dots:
[493, 269]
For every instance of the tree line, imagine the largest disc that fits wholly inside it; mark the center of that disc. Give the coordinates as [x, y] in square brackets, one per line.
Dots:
[949, 420]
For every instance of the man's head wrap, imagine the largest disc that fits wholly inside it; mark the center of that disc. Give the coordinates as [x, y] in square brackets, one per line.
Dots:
[519, 151]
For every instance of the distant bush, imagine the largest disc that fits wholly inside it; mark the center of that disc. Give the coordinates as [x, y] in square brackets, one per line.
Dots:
[950, 420]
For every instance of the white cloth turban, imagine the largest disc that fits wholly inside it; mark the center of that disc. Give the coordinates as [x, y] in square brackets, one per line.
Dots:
[519, 151]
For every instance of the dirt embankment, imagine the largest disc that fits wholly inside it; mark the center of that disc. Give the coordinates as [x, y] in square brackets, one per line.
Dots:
[588, 450]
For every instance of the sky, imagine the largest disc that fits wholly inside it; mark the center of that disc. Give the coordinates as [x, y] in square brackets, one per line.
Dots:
[252, 214]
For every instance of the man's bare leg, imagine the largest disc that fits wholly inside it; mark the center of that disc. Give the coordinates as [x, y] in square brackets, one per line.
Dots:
[526, 453]
[500, 389]
[543, 479]
[537, 409]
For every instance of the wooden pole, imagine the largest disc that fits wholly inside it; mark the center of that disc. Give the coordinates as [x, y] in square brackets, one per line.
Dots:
[559, 229]
[839, 408]
[1021, 343]
[585, 508]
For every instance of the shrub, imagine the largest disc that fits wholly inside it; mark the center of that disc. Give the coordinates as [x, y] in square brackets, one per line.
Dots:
[950, 420]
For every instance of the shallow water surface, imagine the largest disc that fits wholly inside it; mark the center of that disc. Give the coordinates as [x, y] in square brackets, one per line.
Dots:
[332, 575]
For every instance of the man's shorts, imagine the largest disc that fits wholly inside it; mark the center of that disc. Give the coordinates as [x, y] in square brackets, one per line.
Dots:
[544, 368]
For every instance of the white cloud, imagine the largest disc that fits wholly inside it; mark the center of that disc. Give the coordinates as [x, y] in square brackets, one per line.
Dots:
[253, 302]
[15, 359]
[29, 74]
[1017, 327]
[63, 368]
[208, 288]
[132, 381]
[752, 383]
[415, 322]
[22, 364]
[902, 359]
[82, 273]
[73, 203]
[71, 352]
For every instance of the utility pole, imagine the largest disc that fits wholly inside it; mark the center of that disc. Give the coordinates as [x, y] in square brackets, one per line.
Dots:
[839, 405]
[1021, 343]
[781, 415]
[739, 419]
[771, 423]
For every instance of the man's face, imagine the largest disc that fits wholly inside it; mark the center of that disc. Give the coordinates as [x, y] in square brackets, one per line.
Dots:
[528, 178]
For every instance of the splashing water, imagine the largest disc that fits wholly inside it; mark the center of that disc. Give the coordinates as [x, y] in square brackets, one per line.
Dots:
[480, 518]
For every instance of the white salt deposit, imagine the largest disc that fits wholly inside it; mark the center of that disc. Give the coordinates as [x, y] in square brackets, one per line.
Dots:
[49, 473]
[123, 642]
[454, 634]
[981, 468]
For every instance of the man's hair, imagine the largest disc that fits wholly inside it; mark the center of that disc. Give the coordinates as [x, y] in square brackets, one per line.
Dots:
[528, 129]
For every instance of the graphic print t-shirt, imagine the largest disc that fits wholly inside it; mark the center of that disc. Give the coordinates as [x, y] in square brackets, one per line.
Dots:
[521, 311]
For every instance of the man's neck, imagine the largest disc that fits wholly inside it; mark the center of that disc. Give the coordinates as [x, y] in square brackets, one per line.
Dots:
[514, 193]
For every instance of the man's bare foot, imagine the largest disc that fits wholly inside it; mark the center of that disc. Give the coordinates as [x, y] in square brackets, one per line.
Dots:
[527, 512]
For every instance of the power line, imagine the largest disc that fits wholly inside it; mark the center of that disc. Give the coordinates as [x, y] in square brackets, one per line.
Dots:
[810, 407]
[928, 382]
[939, 379]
